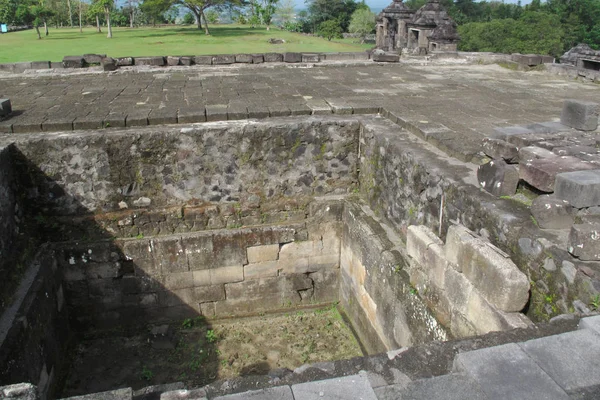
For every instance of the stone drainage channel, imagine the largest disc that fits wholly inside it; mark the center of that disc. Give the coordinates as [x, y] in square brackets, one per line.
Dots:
[155, 238]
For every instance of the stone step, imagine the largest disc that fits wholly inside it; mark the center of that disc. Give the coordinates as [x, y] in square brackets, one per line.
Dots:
[445, 387]
[507, 372]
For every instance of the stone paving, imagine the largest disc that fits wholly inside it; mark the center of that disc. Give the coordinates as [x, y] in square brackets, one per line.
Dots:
[456, 106]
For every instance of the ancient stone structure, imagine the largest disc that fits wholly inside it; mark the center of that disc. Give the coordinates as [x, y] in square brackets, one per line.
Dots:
[426, 30]
[582, 56]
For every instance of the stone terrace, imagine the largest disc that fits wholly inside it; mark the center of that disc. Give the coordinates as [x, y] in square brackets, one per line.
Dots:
[469, 100]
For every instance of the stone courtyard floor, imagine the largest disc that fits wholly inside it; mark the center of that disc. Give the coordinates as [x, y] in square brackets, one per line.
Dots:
[470, 100]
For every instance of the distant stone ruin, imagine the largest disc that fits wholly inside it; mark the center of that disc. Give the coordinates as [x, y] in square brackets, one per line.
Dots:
[426, 30]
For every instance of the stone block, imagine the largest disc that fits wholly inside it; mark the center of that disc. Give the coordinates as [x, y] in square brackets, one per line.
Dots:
[93, 58]
[584, 241]
[186, 60]
[317, 263]
[504, 133]
[173, 60]
[259, 288]
[447, 387]
[191, 297]
[258, 58]
[347, 387]
[292, 57]
[541, 173]
[243, 58]
[530, 59]
[183, 394]
[293, 266]
[108, 64]
[319, 107]
[141, 253]
[118, 394]
[203, 60]
[571, 359]
[216, 112]
[217, 276]
[551, 212]
[500, 149]
[547, 60]
[189, 115]
[124, 61]
[591, 323]
[300, 249]
[263, 253]
[507, 372]
[274, 393]
[548, 127]
[386, 57]
[492, 273]
[169, 255]
[5, 107]
[73, 62]
[581, 115]
[485, 318]
[580, 188]
[223, 59]
[40, 65]
[157, 61]
[178, 280]
[498, 178]
[310, 58]
[418, 240]
[530, 153]
[262, 269]
[273, 57]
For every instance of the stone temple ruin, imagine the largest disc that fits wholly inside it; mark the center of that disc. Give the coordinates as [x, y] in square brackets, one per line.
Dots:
[416, 32]
[449, 212]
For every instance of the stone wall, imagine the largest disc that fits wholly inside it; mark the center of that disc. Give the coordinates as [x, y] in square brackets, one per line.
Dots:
[34, 330]
[375, 291]
[248, 164]
[216, 273]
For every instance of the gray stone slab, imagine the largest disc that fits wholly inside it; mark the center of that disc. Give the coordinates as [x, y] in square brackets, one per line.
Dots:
[276, 393]
[243, 58]
[386, 57]
[292, 57]
[237, 112]
[223, 59]
[498, 178]
[349, 387]
[73, 61]
[203, 60]
[273, 57]
[541, 173]
[189, 115]
[58, 123]
[571, 359]
[40, 65]
[118, 394]
[161, 116]
[548, 127]
[591, 323]
[339, 106]
[496, 148]
[582, 115]
[114, 120]
[551, 212]
[300, 109]
[507, 372]
[310, 58]
[5, 107]
[91, 121]
[257, 111]
[217, 112]
[157, 61]
[580, 188]
[279, 110]
[445, 387]
[504, 132]
[193, 394]
[584, 241]
[137, 117]
[93, 58]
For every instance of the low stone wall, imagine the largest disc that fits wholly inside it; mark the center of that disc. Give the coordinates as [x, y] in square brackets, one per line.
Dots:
[243, 164]
[375, 291]
[573, 72]
[218, 273]
[34, 330]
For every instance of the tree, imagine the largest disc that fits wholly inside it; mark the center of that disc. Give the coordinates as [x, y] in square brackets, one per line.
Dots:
[330, 29]
[285, 11]
[267, 10]
[8, 11]
[155, 9]
[212, 16]
[188, 19]
[325, 10]
[362, 22]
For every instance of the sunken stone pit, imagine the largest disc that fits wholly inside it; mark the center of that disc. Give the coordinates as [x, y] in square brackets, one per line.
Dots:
[154, 235]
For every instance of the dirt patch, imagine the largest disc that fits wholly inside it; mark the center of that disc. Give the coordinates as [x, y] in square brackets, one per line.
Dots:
[202, 352]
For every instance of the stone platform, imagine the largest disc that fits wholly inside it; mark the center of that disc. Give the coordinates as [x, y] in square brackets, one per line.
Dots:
[453, 107]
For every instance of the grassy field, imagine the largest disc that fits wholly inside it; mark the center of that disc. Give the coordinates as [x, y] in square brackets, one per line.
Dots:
[176, 40]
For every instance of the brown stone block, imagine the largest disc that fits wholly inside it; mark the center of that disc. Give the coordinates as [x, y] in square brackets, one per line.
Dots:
[169, 255]
[257, 254]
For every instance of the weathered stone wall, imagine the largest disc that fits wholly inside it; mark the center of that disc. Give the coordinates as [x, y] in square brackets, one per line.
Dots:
[375, 291]
[245, 163]
[34, 330]
[215, 274]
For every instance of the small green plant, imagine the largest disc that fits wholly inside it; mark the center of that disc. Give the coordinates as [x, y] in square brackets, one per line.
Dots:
[187, 323]
[413, 291]
[211, 336]
[146, 373]
[534, 220]
[139, 236]
[595, 303]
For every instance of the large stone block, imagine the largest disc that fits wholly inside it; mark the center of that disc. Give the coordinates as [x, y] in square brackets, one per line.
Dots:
[157, 61]
[223, 59]
[386, 57]
[257, 288]
[124, 61]
[491, 272]
[73, 61]
[273, 57]
[300, 249]
[500, 149]
[93, 58]
[118, 394]
[582, 115]
[261, 269]
[310, 58]
[292, 57]
[552, 213]
[584, 241]
[498, 178]
[217, 276]
[580, 188]
[108, 64]
[5, 107]
[169, 255]
[243, 58]
[530, 153]
[173, 60]
[541, 173]
[418, 240]
[203, 60]
[268, 252]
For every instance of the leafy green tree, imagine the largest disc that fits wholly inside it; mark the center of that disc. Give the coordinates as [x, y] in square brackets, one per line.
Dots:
[326, 10]
[362, 22]
[212, 16]
[330, 29]
[155, 9]
[267, 10]
[285, 11]
[188, 19]
[8, 11]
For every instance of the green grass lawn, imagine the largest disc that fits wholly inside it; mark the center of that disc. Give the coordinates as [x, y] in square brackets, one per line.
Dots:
[147, 41]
